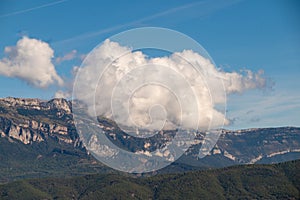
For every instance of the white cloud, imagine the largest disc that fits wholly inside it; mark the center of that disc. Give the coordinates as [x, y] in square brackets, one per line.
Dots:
[118, 95]
[62, 94]
[69, 56]
[30, 60]
[235, 82]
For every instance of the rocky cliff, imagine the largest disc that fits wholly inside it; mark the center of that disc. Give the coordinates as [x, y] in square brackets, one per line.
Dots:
[49, 125]
[34, 120]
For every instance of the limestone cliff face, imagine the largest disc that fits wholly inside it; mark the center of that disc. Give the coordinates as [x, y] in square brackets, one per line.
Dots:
[34, 120]
[59, 104]
[38, 121]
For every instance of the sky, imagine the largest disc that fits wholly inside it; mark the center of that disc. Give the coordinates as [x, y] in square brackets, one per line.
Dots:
[255, 35]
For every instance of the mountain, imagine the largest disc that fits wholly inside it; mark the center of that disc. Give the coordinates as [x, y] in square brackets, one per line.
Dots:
[276, 181]
[39, 138]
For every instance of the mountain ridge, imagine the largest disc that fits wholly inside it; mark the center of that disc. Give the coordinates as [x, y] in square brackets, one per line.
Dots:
[47, 129]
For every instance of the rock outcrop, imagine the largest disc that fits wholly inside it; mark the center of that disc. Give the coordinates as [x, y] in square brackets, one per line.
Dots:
[33, 120]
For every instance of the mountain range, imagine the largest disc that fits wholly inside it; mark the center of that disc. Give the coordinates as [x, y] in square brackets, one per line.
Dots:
[39, 138]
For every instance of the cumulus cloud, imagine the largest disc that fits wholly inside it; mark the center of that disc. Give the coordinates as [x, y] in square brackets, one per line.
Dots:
[183, 89]
[62, 94]
[31, 61]
[69, 56]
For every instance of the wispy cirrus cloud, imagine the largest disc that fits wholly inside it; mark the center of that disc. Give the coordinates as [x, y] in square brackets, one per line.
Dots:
[204, 8]
[269, 110]
[32, 9]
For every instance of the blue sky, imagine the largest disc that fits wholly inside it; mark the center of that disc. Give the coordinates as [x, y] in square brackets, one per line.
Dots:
[237, 35]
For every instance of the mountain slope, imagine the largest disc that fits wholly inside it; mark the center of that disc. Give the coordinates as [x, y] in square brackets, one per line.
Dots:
[38, 138]
[280, 181]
